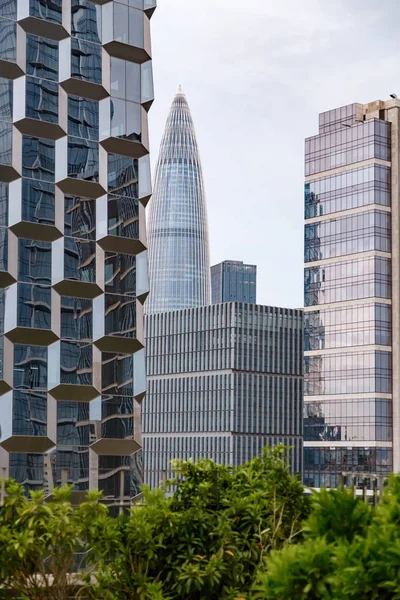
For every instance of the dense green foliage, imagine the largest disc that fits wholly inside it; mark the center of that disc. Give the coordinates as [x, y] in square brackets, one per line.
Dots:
[206, 541]
[223, 534]
[350, 551]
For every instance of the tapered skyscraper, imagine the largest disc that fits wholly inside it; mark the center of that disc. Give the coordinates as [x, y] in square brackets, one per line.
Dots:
[179, 263]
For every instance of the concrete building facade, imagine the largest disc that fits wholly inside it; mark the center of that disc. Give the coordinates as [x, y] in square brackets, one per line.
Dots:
[75, 90]
[352, 294]
[223, 382]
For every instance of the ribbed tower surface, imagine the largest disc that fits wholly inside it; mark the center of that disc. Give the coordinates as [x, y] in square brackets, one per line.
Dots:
[179, 257]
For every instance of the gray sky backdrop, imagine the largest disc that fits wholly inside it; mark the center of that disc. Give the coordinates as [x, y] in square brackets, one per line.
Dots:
[256, 74]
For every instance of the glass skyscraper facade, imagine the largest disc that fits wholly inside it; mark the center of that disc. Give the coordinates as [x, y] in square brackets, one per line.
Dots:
[233, 281]
[75, 90]
[179, 263]
[224, 381]
[351, 294]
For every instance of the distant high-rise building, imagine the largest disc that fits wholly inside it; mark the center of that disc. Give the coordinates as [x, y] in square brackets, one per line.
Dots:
[233, 281]
[352, 294]
[223, 382]
[75, 90]
[179, 264]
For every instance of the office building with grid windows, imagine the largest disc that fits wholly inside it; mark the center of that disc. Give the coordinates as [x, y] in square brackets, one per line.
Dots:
[233, 281]
[75, 90]
[224, 381]
[352, 294]
[179, 255]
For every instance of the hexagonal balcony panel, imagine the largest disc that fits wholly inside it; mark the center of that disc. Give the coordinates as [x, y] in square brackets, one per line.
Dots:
[81, 167]
[44, 18]
[27, 421]
[126, 32]
[84, 69]
[10, 153]
[74, 371]
[117, 323]
[13, 49]
[77, 268]
[44, 112]
[124, 127]
[28, 314]
[111, 447]
[31, 214]
[120, 224]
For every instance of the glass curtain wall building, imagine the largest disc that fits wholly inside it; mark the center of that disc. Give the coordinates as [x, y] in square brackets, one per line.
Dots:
[179, 263]
[224, 381]
[75, 90]
[233, 281]
[351, 286]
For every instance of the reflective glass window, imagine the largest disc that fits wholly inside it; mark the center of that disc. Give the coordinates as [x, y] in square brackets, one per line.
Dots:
[117, 374]
[72, 419]
[48, 10]
[30, 367]
[117, 413]
[3, 249]
[123, 175]
[80, 218]
[8, 40]
[42, 100]
[86, 20]
[29, 414]
[120, 316]
[3, 204]
[8, 9]
[5, 143]
[27, 469]
[76, 319]
[76, 363]
[38, 202]
[86, 61]
[83, 118]
[83, 159]
[41, 57]
[34, 262]
[123, 216]
[125, 120]
[38, 158]
[34, 306]
[120, 273]
[6, 99]
[80, 260]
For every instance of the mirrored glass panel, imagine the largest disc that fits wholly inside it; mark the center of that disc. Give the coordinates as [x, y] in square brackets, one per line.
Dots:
[76, 363]
[6, 99]
[86, 20]
[38, 202]
[80, 218]
[41, 100]
[83, 118]
[85, 61]
[30, 367]
[76, 319]
[80, 260]
[120, 316]
[48, 10]
[34, 262]
[83, 159]
[41, 57]
[120, 273]
[38, 158]
[34, 306]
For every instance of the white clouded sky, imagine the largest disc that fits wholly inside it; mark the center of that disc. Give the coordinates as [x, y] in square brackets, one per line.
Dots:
[256, 74]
